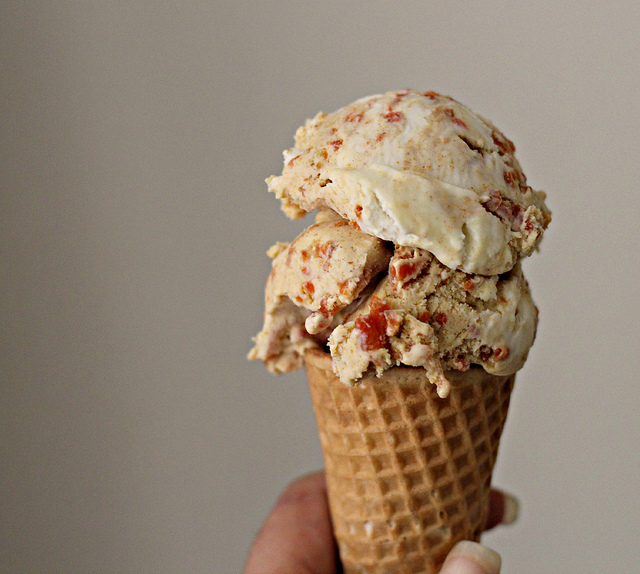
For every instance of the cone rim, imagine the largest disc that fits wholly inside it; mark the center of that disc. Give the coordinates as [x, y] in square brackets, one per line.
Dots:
[322, 360]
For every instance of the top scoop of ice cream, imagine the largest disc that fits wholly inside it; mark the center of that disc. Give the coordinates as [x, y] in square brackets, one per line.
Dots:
[420, 170]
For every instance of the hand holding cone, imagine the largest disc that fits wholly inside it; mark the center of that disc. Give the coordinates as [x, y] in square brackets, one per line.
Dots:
[296, 537]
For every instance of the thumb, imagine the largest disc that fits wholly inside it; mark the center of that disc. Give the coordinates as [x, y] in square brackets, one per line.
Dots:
[468, 557]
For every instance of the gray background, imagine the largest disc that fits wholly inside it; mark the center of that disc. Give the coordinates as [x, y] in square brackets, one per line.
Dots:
[135, 138]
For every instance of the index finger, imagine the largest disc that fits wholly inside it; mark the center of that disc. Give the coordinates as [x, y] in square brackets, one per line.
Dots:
[296, 537]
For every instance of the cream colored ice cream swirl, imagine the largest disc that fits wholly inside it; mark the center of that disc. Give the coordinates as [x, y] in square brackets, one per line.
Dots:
[420, 211]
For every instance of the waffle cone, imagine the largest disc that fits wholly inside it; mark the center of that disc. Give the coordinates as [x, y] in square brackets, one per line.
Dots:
[408, 473]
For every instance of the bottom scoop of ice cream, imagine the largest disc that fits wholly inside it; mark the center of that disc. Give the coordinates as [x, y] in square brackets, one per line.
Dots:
[374, 306]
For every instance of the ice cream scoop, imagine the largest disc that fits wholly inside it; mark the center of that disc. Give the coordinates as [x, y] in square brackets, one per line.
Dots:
[420, 170]
[323, 271]
[377, 307]
[424, 215]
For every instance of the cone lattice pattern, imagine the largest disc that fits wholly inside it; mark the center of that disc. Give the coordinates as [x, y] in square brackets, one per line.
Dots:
[408, 473]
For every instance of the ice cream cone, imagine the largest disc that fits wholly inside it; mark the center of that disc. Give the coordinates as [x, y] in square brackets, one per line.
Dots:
[408, 473]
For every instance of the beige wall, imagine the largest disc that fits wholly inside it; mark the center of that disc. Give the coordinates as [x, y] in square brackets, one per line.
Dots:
[135, 137]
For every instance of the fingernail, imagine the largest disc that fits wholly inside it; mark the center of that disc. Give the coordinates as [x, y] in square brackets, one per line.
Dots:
[511, 509]
[468, 557]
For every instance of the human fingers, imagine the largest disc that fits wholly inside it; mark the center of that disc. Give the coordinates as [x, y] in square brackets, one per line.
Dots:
[468, 557]
[503, 508]
[296, 537]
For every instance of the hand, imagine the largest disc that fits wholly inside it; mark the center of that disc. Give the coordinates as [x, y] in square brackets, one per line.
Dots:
[296, 537]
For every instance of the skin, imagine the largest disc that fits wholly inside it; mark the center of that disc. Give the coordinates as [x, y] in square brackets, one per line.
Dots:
[296, 537]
